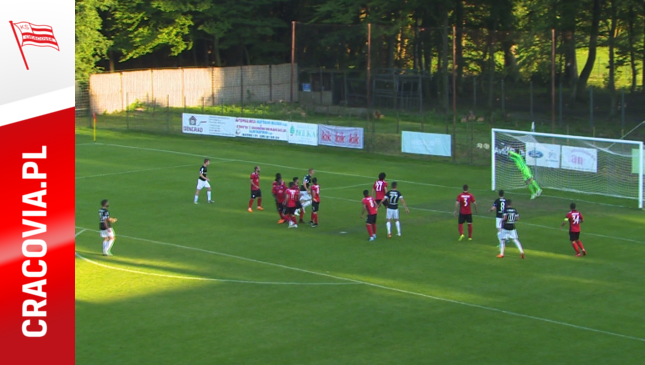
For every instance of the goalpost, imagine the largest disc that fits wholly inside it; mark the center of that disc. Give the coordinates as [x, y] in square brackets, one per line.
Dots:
[609, 167]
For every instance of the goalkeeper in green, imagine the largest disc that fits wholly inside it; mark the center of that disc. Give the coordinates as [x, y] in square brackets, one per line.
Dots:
[526, 173]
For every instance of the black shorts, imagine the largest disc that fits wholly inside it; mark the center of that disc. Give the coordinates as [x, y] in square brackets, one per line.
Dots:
[256, 194]
[290, 210]
[465, 218]
[315, 206]
[279, 206]
[371, 219]
[574, 236]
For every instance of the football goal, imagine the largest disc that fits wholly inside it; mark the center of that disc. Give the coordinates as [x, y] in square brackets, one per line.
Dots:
[610, 167]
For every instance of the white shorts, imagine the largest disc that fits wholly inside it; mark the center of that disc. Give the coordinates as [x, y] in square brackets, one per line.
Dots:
[107, 233]
[392, 214]
[509, 235]
[304, 195]
[498, 222]
[202, 184]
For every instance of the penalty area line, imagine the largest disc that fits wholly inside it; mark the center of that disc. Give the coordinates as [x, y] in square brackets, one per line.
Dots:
[367, 283]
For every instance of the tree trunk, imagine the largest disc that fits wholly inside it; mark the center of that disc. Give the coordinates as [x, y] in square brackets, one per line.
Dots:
[632, 52]
[444, 65]
[491, 67]
[593, 45]
[111, 57]
[570, 60]
[510, 61]
[459, 47]
[611, 84]
[218, 60]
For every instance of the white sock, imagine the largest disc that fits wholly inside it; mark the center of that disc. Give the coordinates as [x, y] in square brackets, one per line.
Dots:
[502, 246]
[398, 227]
[196, 197]
[499, 235]
[208, 193]
[389, 227]
[518, 245]
[110, 244]
[105, 246]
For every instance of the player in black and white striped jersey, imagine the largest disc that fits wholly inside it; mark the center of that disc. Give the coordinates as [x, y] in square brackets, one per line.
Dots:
[499, 205]
[393, 197]
[105, 228]
[511, 216]
[202, 181]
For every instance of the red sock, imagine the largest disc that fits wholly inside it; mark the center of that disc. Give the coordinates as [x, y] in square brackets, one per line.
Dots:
[470, 231]
[259, 202]
[281, 215]
[575, 246]
[461, 229]
[374, 227]
[250, 203]
[581, 246]
[314, 217]
[369, 230]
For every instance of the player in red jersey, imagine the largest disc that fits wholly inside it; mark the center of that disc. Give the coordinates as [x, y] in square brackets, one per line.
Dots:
[369, 205]
[315, 202]
[574, 218]
[463, 203]
[379, 189]
[292, 195]
[278, 193]
[255, 189]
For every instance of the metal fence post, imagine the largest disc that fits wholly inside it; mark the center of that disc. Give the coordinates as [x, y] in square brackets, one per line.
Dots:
[622, 112]
[168, 113]
[503, 100]
[591, 106]
[531, 97]
[560, 107]
[127, 112]
[475, 92]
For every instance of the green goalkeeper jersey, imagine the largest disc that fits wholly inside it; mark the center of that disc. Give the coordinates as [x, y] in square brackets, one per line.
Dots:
[521, 165]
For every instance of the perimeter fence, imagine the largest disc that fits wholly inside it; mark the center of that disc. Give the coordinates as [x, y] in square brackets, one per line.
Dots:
[386, 79]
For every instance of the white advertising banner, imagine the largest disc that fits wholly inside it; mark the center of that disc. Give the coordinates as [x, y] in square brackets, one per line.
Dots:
[579, 159]
[426, 143]
[275, 130]
[543, 154]
[210, 125]
[303, 133]
[347, 137]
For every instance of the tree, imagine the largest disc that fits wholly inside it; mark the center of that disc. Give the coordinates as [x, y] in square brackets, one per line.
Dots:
[593, 46]
[90, 44]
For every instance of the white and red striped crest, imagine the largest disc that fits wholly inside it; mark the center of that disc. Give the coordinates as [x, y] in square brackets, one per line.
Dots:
[37, 35]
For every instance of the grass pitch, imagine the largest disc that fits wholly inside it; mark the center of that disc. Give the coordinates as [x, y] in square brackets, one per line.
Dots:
[215, 284]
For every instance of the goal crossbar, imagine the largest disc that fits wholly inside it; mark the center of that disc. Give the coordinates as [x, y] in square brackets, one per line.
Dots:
[602, 166]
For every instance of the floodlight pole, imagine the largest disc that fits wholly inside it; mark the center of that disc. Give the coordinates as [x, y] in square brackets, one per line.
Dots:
[552, 80]
[369, 61]
[293, 55]
[454, 91]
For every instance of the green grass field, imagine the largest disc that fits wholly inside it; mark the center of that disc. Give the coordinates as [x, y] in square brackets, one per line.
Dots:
[215, 284]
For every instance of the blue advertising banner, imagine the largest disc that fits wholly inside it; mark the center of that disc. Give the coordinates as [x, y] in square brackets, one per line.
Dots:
[426, 143]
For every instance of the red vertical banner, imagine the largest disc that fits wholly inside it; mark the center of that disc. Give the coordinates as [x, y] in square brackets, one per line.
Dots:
[37, 240]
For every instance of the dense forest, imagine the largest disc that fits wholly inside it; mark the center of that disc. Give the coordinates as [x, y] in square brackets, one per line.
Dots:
[413, 34]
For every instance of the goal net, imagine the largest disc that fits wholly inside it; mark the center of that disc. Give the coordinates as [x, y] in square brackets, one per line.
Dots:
[610, 167]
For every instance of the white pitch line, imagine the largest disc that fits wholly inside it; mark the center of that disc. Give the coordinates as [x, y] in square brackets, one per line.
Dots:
[346, 187]
[327, 172]
[344, 174]
[392, 289]
[133, 171]
[200, 278]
